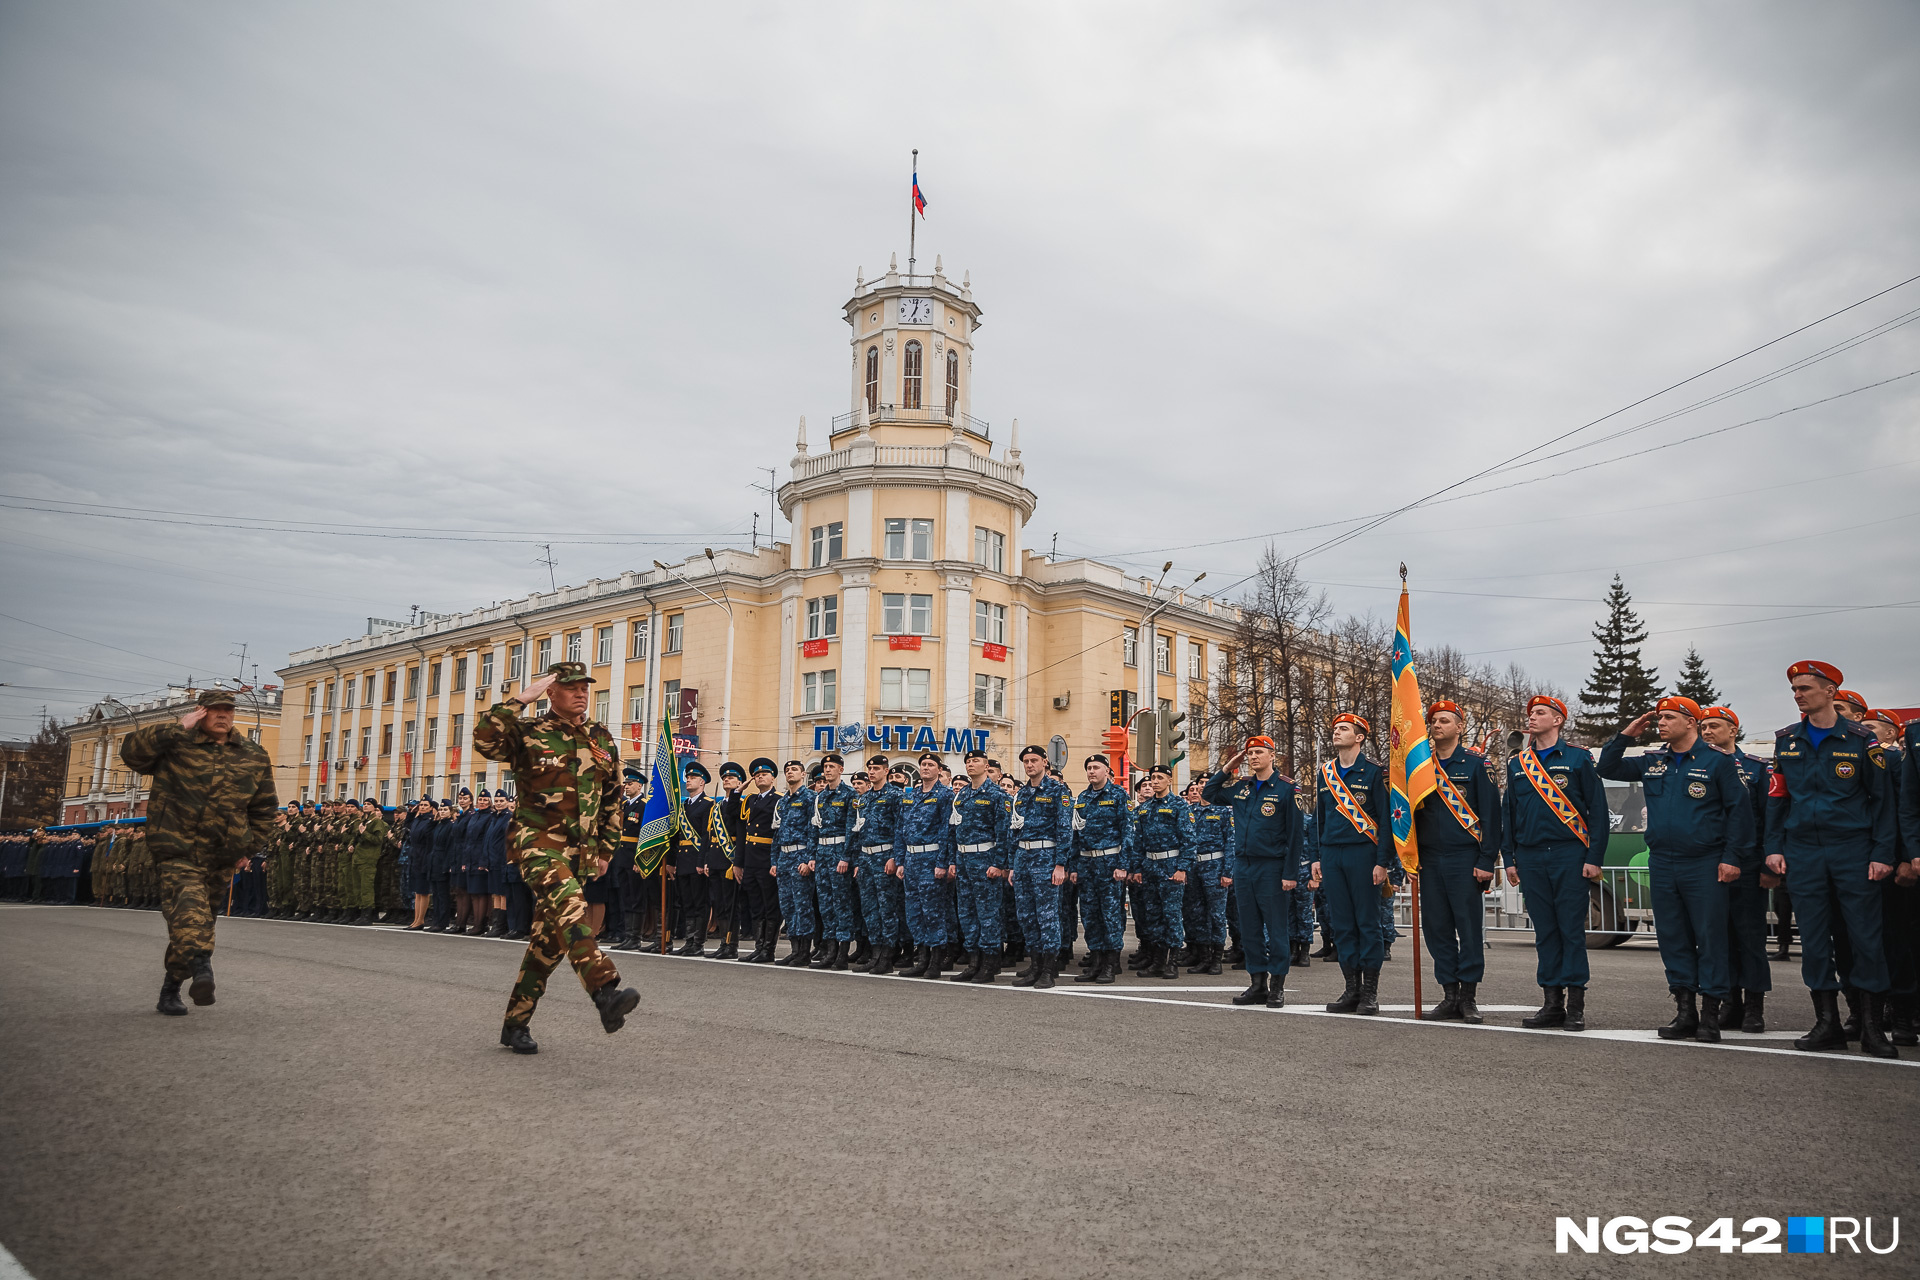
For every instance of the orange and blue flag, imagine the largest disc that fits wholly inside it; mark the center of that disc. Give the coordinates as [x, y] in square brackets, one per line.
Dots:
[919, 200]
[1410, 768]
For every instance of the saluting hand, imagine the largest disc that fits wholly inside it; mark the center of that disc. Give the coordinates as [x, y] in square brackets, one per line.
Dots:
[193, 717]
[1232, 764]
[1638, 726]
[535, 691]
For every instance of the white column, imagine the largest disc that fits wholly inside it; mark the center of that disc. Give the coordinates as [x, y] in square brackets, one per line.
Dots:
[957, 699]
[859, 542]
[959, 517]
[856, 640]
[1019, 691]
[799, 543]
[789, 650]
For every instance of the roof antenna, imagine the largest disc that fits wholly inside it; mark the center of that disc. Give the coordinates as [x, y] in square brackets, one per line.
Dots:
[547, 560]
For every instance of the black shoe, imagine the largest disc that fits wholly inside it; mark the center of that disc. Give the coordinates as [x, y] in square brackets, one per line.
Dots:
[1169, 964]
[989, 970]
[1576, 1009]
[976, 961]
[1031, 974]
[862, 953]
[1091, 967]
[170, 999]
[1826, 1032]
[1277, 992]
[1326, 952]
[1710, 1020]
[1754, 1020]
[202, 988]
[882, 961]
[1686, 1019]
[1781, 952]
[1236, 956]
[938, 959]
[799, 952]
[1256, 992]
[1386, 954]
[1856, 1006]
[918, 969]
[1369, 993]
[1448, 1010]
[1733, 1011]
[1212, 967]
[840, 956]
[1350, 998]
[1044, 978]
[1553, 1011]
[615, 1002]
[691, 947]
[1107, 967]
[1065, 958]
[719, 952]
[514, 1036]
[1900, 1021]
[1469, 1008]
[1873, 1031]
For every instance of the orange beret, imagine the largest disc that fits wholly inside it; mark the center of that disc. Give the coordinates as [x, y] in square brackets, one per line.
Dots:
[1347, 717]
[1721, 713]
[1685, 706]
[1545, 700]
[1444, 705]
[1881, 713]
[1848, 695]
[1825, 670]
[1260, 740]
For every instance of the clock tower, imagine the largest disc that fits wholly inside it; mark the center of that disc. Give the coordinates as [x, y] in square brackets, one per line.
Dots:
[912, 359]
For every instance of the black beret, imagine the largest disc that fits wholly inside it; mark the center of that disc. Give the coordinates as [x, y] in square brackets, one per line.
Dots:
[1096, 758]
[876, 759]
[832, 757]
[1033, 751]
[1162, 768]
[977, 754]
[793, 764]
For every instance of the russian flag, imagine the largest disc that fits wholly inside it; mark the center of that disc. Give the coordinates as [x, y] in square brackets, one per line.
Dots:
[919, 201]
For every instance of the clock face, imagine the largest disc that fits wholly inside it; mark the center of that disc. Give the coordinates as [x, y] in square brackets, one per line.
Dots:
[916, 311]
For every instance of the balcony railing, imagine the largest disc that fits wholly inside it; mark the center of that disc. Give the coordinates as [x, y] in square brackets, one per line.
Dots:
[909, 455]
[929, 414]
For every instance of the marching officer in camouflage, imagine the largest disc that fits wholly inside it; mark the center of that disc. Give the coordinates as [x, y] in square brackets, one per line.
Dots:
[1458, 830]
[1356, 855]
[1042, 830]
[793, 850]
[832, 863]
[566, 771]
[1750, 977]
[210, 804]
[979, 818]
[1163, 841]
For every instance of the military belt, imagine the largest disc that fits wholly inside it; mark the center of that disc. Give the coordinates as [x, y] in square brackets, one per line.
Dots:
[1036, 844]
[750, 839]
[792, 848]
[1161, 855]
[988, 847]
[924, 848]
[1099, 853]
[829, 839]
[1209, 857]
[876, 848]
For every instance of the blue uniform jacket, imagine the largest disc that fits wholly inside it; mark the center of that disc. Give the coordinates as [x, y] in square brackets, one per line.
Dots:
[1102, 819]
[1368, 782]
[1526, 821]
[1753, 772]
[496, 842]
[1697, 803]
[1212, 833]
[418, 851]
[1164, 824]
[1440, 832]
[439, 862]
[793, 825]
[982, 816]
[1835, 795]
[1910, 792]
[1044, 812]
[923, 821]
[833, 814]
[1267, 822]
[877, 819]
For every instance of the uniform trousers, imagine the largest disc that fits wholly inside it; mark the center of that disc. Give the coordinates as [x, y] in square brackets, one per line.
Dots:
[519, 903]
[1264, 912]
[1069, 913]
[980, 899]
[1452, 918]
[191, 894]
[1206, 901]
[926, 901]
[876, 899]
[796, 902]
[833, 891]
[1747, 966]
[1830, 888]
[560, 931]
[1101, 899]
[760, 900]
[1165, 899]
[1690, 921]
[1037, 900]
[1556, 895]
[1353, 904]
[359, 888]
[1901, 931]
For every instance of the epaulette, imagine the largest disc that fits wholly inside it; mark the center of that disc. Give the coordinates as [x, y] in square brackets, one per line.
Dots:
[1859, 730]
[1788, 731]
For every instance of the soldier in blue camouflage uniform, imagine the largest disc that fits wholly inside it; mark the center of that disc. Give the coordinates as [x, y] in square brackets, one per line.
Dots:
[1389, 925]
[1206, 899]
[832, 863]
[876, 822]
[1042, 826]
[923, 851]
[1306, 898]
[1102, 861]
[566, 771]
[979, 817]
[793, 849]
[1163, 834]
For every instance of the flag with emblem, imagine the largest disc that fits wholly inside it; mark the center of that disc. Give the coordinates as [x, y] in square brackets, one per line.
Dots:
[662, 816]
[1410, 767]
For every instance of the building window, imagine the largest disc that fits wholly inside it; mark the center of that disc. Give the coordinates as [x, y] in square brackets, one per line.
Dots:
[910, 378]
[909, 539]
[670, 696]
[953, 381]
[817, 692]
[459, 738]
[1163, 653]
[825, 541]
[409, 735]
[990, 549]
[433, 734]
[603, 646]
[367, 687]
[906, 689]
[384, 784]
[346, 695]
[486, 670]
[902, 614]
[329, 697]
[573, 646]
[306, 749]
[366, 741]
[433, 680]
[515, 657]
[603, 705]
[1196, 660]
[989, 622]
[413, 683]
[545, 651]
[341, 753]
[393, 680]
[823, 617]
[386, 739]
[406, 791]
[1130, 646]
[636, 704]
[313, 697]
[637, 641]
[459, 674]
[873, 380]
[676, 631]
[990, 696]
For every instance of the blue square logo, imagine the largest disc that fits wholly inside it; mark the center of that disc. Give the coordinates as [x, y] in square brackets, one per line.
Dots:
[1806, 1235]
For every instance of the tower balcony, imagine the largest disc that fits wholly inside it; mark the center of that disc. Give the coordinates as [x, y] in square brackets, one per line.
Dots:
[931, 415]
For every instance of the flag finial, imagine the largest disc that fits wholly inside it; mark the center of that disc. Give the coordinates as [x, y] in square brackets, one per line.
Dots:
[1403, 573]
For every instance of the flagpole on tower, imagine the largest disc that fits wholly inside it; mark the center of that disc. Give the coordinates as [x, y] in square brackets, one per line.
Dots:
[912, 212]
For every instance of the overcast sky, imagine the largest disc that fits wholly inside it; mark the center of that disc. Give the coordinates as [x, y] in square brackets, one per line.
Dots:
[571, 273]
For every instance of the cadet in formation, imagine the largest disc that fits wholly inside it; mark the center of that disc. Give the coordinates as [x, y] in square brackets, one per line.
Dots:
[980, 817]
[1163, 844]
[1749, 977]
[1458, 829]
[1267, 866]
[1041, 826]
[1356, 851]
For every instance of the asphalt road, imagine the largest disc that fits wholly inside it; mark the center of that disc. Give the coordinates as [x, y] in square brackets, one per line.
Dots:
[344, 1110]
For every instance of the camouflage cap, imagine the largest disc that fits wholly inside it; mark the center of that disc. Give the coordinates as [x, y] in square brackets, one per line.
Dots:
[211, 698]
[570, 673]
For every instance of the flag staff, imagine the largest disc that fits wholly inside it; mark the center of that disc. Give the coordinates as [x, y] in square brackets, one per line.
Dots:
[912, 209]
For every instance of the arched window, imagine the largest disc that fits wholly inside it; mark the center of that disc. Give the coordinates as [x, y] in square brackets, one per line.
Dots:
[953, 381]
[910, 378]
[873, 380]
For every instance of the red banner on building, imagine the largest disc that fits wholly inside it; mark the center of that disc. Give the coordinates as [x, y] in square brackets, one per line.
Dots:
[994, 652]
[453, 760]
[636, 738]
[903, 642]
[813, 648]
[406, 764]
[323, 773]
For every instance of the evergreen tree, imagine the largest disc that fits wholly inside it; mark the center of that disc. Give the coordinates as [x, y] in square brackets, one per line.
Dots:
[1621, 686]
[1695, 681]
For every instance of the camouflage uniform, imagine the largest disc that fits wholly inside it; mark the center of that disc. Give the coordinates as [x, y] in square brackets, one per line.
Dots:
[567, 785]
[389, 894]
[369, 836]
[210, 805]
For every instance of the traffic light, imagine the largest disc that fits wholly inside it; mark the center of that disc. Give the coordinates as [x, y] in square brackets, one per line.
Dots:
[1173, 739]
[1146, 728]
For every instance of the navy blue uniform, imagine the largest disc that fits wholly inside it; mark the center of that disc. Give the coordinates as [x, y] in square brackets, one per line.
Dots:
[1102, 845]
[1551, 858]
[1830, 815]
[1206, 899]
[921, 847]
[792, 846]
[1163, 843]
[1348, 856]
[832, 817]
[1269, 849]
[1042, 831]
[1747, 965]
[979, 817]
[1699, 817]
[1452, 918]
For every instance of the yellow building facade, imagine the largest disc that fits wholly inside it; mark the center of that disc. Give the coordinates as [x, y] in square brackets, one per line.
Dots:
[100, 789]
[902, 614]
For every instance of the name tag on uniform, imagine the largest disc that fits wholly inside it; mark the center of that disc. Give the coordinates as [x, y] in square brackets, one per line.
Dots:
[1656, 770]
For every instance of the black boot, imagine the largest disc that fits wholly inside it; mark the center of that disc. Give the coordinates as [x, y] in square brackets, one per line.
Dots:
[769, 939]
[1369, 993]
[1256, 992]
[975, 962]
[1277, 992]
[1873, 1029]
[1031, 974]
[1710, 1021]
[1553, 1011]
[1198, 953]
[1236, 956]
[918, 969]
[1045, 977]
[614, 1003]
[1212, 966]
[1326, 952]
[1733, 1011]
[1469, 1008]
[170, 999]
[840, 955]
[695, 945]
[202, 987]
[497, 928]
[862, 954]
[882, 961]
[1107, 968]
[1856, 1007]
[823, 952]
[1091, 967]
[1686, 1019]
[515, 1037]
[800, 952]
[1901, 1021]
[1065, 958]
[1754, 1020]
[1576, 1009]
[989, 969]
[1826, 1032]
[1169, 964]
[1350, 998]
[939, 959]
[1448, 1010]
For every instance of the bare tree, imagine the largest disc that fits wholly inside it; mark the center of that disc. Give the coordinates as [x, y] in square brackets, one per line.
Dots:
[1266, 687]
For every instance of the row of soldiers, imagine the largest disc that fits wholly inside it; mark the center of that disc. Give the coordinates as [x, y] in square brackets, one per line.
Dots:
[49, 866]
[328, 861]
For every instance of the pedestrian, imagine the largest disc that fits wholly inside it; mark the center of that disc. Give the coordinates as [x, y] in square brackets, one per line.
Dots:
[209, 804]
[566, 775]
[1356, 852]
[1458, 831]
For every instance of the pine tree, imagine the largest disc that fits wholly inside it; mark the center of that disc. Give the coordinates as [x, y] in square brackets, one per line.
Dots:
[1695, 681]
[1621, 686]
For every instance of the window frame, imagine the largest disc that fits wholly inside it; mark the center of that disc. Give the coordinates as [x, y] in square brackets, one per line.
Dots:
[873, 380]
[603, 646]
[989, 622]
[460, 674]
[912, 370]
[676, 633]
[990, 696]
[640, 638]
[486, 670]
[1129, 646]
[953, 380]
[823, 617]
[574, 646]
